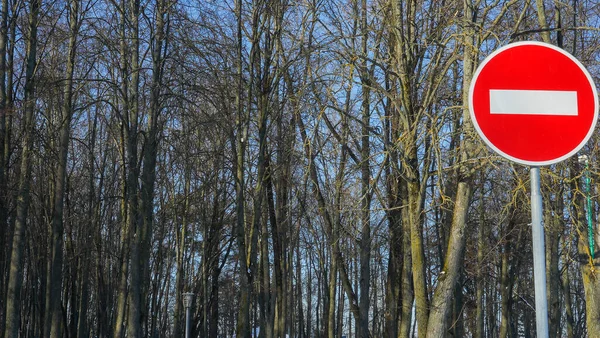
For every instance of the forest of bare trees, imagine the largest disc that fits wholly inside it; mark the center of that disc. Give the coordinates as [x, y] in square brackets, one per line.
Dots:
[305, 168]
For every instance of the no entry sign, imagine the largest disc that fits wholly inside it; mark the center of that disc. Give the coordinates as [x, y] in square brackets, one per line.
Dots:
[533, 103]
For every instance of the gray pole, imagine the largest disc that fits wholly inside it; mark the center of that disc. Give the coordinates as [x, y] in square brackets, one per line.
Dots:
[539, 256]
[188, 298]
[188, 322]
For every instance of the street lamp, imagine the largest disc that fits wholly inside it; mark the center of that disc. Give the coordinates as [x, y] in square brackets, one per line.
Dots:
[188, 299]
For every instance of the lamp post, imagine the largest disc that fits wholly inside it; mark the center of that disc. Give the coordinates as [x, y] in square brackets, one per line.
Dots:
[188, 299]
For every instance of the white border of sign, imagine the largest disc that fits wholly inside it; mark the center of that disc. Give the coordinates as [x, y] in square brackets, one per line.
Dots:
[514, 159]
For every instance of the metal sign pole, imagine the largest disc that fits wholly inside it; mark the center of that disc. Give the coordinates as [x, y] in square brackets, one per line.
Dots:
[539, 256]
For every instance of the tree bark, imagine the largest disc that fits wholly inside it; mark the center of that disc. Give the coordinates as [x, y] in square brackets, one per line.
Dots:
[587, 265]
[449, 275]
[15, 280]
[55, 286]
[83, 329]
[149, 157]
[3, 154]
[365, 154]
[393, 285]
[134, 315]
[243, 328]
[128, 301]
[553, 228]
[406, 314]
[180, 254]
[506, 286]
[480, 280]
[566, 288]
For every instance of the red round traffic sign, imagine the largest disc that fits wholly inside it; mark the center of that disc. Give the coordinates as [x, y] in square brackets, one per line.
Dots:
[533, 103]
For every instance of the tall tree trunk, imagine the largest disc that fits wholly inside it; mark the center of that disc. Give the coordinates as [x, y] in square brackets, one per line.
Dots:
[591, 286]
[393, 278]
[214, 302]
[333, 235]
[278, 255]
[406, 314]
[553, 228]
[15, 280]
[541, 15]
[148, 175]
[300, 309]
[331, 288]
[55, 286]
[365, 154]
[587, 264]
[458, 328]
[480, 280]
[566, 288]
[259, 190]
[393, 300]
[279, 218]
[506, 287]
[128, 301]
[442, 299]
[104, 324]
[180, 254]
[243, 329]
[265, 281]
[3, 154]
[405, 55]
[119, 321]
[134, 317]
[83, 330]
[6, 149]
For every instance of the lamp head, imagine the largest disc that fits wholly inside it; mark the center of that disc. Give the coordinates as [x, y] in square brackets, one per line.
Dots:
[188, 298]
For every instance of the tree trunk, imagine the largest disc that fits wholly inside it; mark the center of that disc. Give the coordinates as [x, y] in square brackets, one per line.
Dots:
[506, 288]
[83, 329]
[407, 111]
[180, 254]
[566, 288]
[148, 175]
[480, 280]
[587, 265]
[393, 286]
[591, 286]
[300, 309]
[406, 315]
[541, 15]
[55, 286]
[213, 326]
[458, 329]
[332, 295]
[243, 329]
[134, 316]
[278, 296]
[259, 189]
[128, 301]
[365, 153]
[15, 280]
[3, 153]
[442, 298]
[264, 298]
[553, 229]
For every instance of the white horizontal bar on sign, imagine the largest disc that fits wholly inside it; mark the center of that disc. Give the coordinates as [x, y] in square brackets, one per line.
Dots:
[533, 102]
